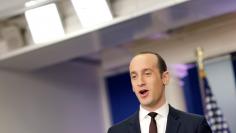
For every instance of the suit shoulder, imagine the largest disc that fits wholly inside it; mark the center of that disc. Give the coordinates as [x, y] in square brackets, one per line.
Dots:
[189, 117]
[123, 125]
[191, 122]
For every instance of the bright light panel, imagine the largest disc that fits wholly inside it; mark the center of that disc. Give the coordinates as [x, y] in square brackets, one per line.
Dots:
[32, 3]
[92, 12]
[44, 23]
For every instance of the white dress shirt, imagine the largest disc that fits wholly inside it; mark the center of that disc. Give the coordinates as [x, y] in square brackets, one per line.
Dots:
[161, 119]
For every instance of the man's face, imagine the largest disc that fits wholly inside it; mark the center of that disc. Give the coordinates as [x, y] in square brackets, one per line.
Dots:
[147, 82]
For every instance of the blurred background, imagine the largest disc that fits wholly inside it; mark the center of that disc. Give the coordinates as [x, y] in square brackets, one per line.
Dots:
[64, 63]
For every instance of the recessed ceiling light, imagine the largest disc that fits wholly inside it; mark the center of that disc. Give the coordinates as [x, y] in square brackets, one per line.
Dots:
[92, 14]
[44, 23]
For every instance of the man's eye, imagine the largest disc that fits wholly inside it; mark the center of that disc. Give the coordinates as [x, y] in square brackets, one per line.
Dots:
[148, 73]
[133, 76]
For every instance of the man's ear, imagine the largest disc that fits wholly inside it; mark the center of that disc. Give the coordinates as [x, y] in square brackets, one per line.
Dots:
[165, 77]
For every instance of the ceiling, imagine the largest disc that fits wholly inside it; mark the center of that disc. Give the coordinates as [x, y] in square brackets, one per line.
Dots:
[124, 29]
[9, 8]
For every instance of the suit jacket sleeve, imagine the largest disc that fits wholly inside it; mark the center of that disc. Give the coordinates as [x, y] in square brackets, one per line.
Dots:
[204, 127]
[109, 130]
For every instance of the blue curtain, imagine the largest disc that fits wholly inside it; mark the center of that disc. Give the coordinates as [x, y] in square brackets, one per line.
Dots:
[192, 91]
[123, 101]
[233, 58]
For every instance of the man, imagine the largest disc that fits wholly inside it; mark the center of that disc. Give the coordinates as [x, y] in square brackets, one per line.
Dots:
[149, 76]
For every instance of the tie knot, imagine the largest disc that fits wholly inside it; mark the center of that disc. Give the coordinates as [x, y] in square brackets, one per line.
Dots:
[152, 114]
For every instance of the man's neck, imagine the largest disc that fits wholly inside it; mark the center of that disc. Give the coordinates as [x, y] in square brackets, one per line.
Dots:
[154, 107]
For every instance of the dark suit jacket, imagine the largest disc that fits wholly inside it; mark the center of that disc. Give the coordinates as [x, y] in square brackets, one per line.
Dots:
[177, 122]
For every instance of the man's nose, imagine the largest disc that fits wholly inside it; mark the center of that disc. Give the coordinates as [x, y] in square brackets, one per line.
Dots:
[140, 81]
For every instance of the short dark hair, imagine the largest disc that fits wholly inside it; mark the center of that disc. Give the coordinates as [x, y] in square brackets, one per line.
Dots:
[161, 64]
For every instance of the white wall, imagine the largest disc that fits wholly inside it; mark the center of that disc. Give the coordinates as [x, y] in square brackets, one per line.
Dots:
[61, 99]
[216, 36]
[175, 93]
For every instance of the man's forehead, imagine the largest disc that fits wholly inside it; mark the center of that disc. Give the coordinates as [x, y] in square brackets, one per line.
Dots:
[143, 61]
[148, 58]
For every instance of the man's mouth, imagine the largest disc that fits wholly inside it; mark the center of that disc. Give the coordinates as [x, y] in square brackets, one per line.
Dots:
[143, 93]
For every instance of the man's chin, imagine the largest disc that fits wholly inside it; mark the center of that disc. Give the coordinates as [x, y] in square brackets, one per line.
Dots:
[145, 103]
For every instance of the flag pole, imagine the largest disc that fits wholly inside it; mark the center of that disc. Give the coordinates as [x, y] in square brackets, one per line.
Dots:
[201, 74]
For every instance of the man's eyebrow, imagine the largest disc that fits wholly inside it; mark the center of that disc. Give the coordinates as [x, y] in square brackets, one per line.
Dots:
[132, 72]
[147, 69]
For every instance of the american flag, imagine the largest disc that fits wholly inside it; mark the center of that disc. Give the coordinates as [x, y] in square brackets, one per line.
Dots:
[213, 113]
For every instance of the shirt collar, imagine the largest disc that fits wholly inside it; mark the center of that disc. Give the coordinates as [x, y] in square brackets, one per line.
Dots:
[162, 111]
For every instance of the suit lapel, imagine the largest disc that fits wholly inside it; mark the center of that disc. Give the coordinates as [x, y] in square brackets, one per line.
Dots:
[134, 124]
[173, 122]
